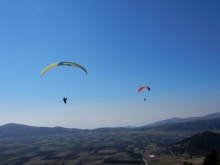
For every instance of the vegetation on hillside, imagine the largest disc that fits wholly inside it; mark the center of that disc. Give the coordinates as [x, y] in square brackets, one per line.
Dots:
[197, 145]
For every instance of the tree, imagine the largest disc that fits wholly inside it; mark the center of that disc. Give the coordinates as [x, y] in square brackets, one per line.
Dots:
[211, 158]
[218, 163]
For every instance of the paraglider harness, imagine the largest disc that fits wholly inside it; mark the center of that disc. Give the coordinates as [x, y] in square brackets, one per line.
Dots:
[64, 99]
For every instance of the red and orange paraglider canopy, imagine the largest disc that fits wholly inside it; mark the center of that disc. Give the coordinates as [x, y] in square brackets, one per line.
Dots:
[140, 89]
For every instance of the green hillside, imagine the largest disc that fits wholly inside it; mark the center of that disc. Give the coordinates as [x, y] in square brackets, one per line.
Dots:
[197, 145]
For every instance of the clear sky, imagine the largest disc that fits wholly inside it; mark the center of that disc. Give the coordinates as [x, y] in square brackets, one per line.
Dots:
[171, 46]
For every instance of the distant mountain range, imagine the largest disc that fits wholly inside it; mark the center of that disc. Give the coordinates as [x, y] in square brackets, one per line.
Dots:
[204, 123]
[179, 120]
[197, 145]
[195, 125]
[19, 130]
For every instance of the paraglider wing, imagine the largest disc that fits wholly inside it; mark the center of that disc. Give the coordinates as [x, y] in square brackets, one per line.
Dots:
[140, 89]
[56, 64]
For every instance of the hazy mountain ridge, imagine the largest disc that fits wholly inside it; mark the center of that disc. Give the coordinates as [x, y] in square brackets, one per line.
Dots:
[197, 145]
[176, 119]
[19, 130]
[196, 125]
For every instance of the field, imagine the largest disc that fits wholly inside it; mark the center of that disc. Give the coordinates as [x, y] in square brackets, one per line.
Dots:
[89, 148]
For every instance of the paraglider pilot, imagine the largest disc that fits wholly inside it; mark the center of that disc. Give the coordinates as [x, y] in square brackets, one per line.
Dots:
[64, 99]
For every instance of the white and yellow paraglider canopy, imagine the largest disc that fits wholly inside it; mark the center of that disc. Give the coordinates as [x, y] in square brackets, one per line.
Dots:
[56, 64]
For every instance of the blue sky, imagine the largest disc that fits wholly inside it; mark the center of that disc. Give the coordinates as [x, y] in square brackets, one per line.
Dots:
[171, 46]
